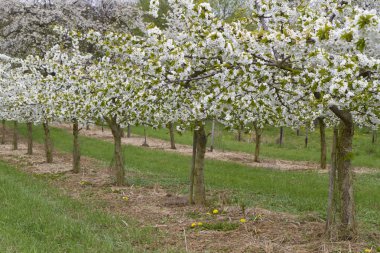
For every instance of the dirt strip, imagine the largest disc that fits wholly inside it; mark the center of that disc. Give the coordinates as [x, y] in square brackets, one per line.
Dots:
[229, 156]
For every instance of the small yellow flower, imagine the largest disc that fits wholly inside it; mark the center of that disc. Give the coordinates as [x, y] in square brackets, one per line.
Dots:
[83, 182]
[215, 211]
[125, 198]
[208, 213]
[193, 225]
[200, 224]
[242, 220]
[368, 250]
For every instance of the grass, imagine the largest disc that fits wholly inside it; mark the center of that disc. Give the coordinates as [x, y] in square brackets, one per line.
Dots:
[35, 217]
[220, 226]
[294, 192]
[365, 153]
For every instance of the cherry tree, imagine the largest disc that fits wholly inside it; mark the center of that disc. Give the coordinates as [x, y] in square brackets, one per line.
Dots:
[26, 27]
[200, 58]
[326, 52]
[69, 94]
[18, 97]
[116, 86]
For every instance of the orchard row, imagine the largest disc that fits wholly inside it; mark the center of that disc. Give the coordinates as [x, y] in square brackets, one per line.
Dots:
[289, 64]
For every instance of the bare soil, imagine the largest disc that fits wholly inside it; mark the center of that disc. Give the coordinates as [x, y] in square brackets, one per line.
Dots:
[169, 214]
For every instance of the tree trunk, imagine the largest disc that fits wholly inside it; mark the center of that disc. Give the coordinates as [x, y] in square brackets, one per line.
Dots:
[212, 135]
[122, 133]
[15, 136]
[191, 189]
[3, 132]
[374, 135]
[258, 133]
[76, 147]
[199, 184]
[87, 126]
[29, 126]
[281, 136]
[48, 143]
[239, 135]
[333, 197]
[345, 180]
[171, 132]
[298, 132]
[347, 227]
[322, 131]
[129, 131]
[145, 144]
[306, 137]
[118, 153]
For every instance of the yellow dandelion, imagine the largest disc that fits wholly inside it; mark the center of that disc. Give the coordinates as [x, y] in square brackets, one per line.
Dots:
[125, 198]
[84, 182]
[215, 211]
[193, 225]
[208, 213]
[242, 220]
[200, 224]
[368, 250]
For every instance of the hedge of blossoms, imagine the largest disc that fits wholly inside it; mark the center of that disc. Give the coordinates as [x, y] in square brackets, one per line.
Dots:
[303, 60]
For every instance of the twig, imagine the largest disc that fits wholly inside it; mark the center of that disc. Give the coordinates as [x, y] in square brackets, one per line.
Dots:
[160, 226]
[125, 223]
[184, 234]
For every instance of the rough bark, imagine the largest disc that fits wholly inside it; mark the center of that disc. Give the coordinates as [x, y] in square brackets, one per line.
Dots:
[239, 135]
[145, 144]
[171, 132]
[129, 131]
[322, 132]
[281, 136]
[15, 136]
[76, 147]
[48, 143]
[29, 126]
[347, 227]
[118, 165]
[191, 189]
[306, 137]
[3, 132]
[212, 136]
[333, 197]
[345, 179]
[374, 135]
[199, 185]
[258, 133]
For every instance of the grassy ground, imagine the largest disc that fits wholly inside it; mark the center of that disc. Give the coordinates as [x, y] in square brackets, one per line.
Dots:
[366, 154]
[35, 217]
[294, 192]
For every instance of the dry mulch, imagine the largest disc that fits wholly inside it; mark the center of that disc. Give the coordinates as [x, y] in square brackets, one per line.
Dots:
[168, 212]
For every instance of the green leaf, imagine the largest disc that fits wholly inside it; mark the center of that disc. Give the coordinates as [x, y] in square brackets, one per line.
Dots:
[324, 32]
[347, 36]
[364, 20]
[360, 45]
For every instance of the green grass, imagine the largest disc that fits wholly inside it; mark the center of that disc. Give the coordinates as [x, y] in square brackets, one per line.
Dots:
[35, 217]
[365, 153]
[294, 192]
[220, 226]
